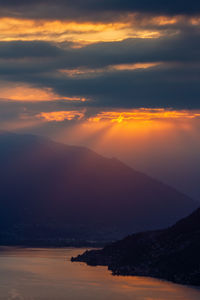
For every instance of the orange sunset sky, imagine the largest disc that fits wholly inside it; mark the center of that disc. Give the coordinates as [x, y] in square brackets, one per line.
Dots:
[119, 77]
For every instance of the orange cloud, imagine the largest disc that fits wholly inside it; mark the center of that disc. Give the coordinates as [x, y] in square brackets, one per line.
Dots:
[144, 114]
[136, 66]
[12, 29]
[95, 72]
[164, 20]
[59, 116]
[136, 117]
[32, 94]
[130, 26]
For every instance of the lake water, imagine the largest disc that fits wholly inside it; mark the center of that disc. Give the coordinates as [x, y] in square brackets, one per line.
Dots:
[49, 274]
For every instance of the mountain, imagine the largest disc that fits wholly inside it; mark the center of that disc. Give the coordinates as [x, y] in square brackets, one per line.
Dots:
[57, 192]
[172, 254]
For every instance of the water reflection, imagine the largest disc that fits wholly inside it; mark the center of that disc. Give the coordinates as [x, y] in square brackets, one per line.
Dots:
[49, 274]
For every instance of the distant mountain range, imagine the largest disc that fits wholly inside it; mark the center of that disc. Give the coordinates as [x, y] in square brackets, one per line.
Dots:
[54, 193]
[172, 254]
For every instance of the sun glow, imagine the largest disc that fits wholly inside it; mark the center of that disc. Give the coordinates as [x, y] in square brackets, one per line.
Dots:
[144, 114]
[132, 134]
[125, 117]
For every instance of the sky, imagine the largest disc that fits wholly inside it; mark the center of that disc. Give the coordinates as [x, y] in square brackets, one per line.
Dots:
[118, 76]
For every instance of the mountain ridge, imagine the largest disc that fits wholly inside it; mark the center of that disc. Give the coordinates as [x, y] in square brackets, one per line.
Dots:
[45, 184]
[171, 254]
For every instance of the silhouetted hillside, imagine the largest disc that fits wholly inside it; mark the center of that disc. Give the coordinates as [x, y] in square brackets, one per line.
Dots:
[172, 254]
[50, 190]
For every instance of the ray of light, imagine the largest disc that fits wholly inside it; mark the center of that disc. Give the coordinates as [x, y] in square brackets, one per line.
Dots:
[102, 129]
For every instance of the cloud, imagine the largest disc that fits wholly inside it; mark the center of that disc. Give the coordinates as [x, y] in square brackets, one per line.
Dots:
[156, 87]
[161, 86]
[104, 73]
[182, 47]
[94, 9]
[19, 49]
[130, 73]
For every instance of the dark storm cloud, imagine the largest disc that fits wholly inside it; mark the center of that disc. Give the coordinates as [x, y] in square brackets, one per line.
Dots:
[93, 8]
[37, 57]
[173, 83]
[15, 109]
[157, 87]
[18, 49]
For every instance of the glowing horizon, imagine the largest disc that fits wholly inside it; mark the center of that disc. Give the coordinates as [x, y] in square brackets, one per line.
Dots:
[121, 116]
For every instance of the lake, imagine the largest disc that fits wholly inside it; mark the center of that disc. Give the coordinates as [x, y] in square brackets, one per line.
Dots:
[49, 274]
